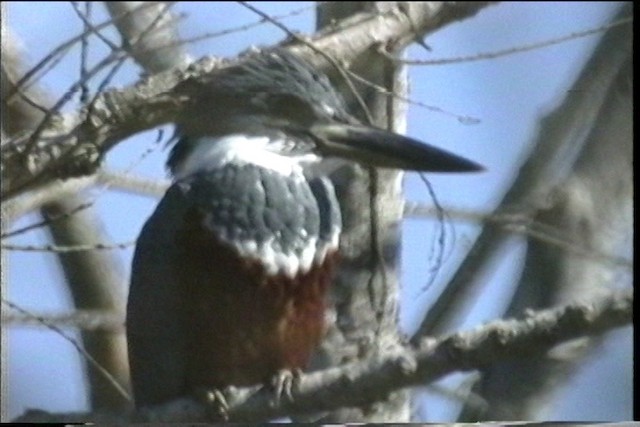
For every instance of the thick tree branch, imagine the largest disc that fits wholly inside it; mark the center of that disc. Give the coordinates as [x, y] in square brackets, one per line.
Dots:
[372, 379]
[73, 145]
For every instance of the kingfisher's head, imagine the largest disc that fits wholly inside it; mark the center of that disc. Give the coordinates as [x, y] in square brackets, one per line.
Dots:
[276, 104]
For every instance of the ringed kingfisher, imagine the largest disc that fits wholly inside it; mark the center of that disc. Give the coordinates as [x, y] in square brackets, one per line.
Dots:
[231, 272]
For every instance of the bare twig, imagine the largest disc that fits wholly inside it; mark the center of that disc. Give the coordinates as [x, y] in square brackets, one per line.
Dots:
[92, 361]
[88, 320]
[520, 224]
[67, 248]
[512, 50]
[467, 120]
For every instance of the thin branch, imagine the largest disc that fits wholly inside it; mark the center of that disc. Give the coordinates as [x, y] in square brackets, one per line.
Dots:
[19, 206]
[46, 221]
[332, 60]
[87, 320]
[466, 120]
[143, 31]
[119, 56]
[521, 224]
[92, 361]
[511, 50]
[47, 120]
[439, 249]
[93, 278]
[152, 102]
[242, 28]
[67, 248]
[59, 50]
[89, 28]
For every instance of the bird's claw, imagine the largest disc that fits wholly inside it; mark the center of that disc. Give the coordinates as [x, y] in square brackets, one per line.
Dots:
[215, 402]
[283, 384]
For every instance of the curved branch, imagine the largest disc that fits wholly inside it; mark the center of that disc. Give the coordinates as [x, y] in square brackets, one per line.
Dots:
[73, 145]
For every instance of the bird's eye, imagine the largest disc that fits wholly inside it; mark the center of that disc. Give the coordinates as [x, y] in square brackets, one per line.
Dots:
[292, 107]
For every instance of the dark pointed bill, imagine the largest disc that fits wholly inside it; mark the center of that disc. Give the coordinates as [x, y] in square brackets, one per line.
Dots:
[380, 148]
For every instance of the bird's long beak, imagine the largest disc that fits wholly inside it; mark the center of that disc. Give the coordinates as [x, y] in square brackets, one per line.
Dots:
[380, 148]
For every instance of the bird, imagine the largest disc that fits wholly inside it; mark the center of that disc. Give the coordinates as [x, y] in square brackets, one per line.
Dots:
[231, 272]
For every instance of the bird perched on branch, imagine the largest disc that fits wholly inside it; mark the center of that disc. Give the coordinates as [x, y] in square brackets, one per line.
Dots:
[231, 271]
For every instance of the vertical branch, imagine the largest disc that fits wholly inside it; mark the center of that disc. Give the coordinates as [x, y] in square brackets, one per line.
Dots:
[149, 34]
[95, 279]
[366, 289]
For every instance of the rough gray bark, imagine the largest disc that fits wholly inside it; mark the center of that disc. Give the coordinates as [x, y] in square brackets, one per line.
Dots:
[366, 289]
[74, 145]
[354, 384]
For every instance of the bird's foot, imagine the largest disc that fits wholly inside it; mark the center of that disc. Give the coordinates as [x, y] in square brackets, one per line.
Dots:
[283, 384]
[215, 402]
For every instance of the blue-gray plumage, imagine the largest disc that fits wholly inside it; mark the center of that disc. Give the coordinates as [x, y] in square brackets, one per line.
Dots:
[230, 273]
[285, 226]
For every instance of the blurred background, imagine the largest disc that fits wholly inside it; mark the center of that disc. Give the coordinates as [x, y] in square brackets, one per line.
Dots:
[504, 97]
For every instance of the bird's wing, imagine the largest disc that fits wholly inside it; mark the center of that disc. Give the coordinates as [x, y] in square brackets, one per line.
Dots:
[330, 215]
[155, 315]
[282, 222]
